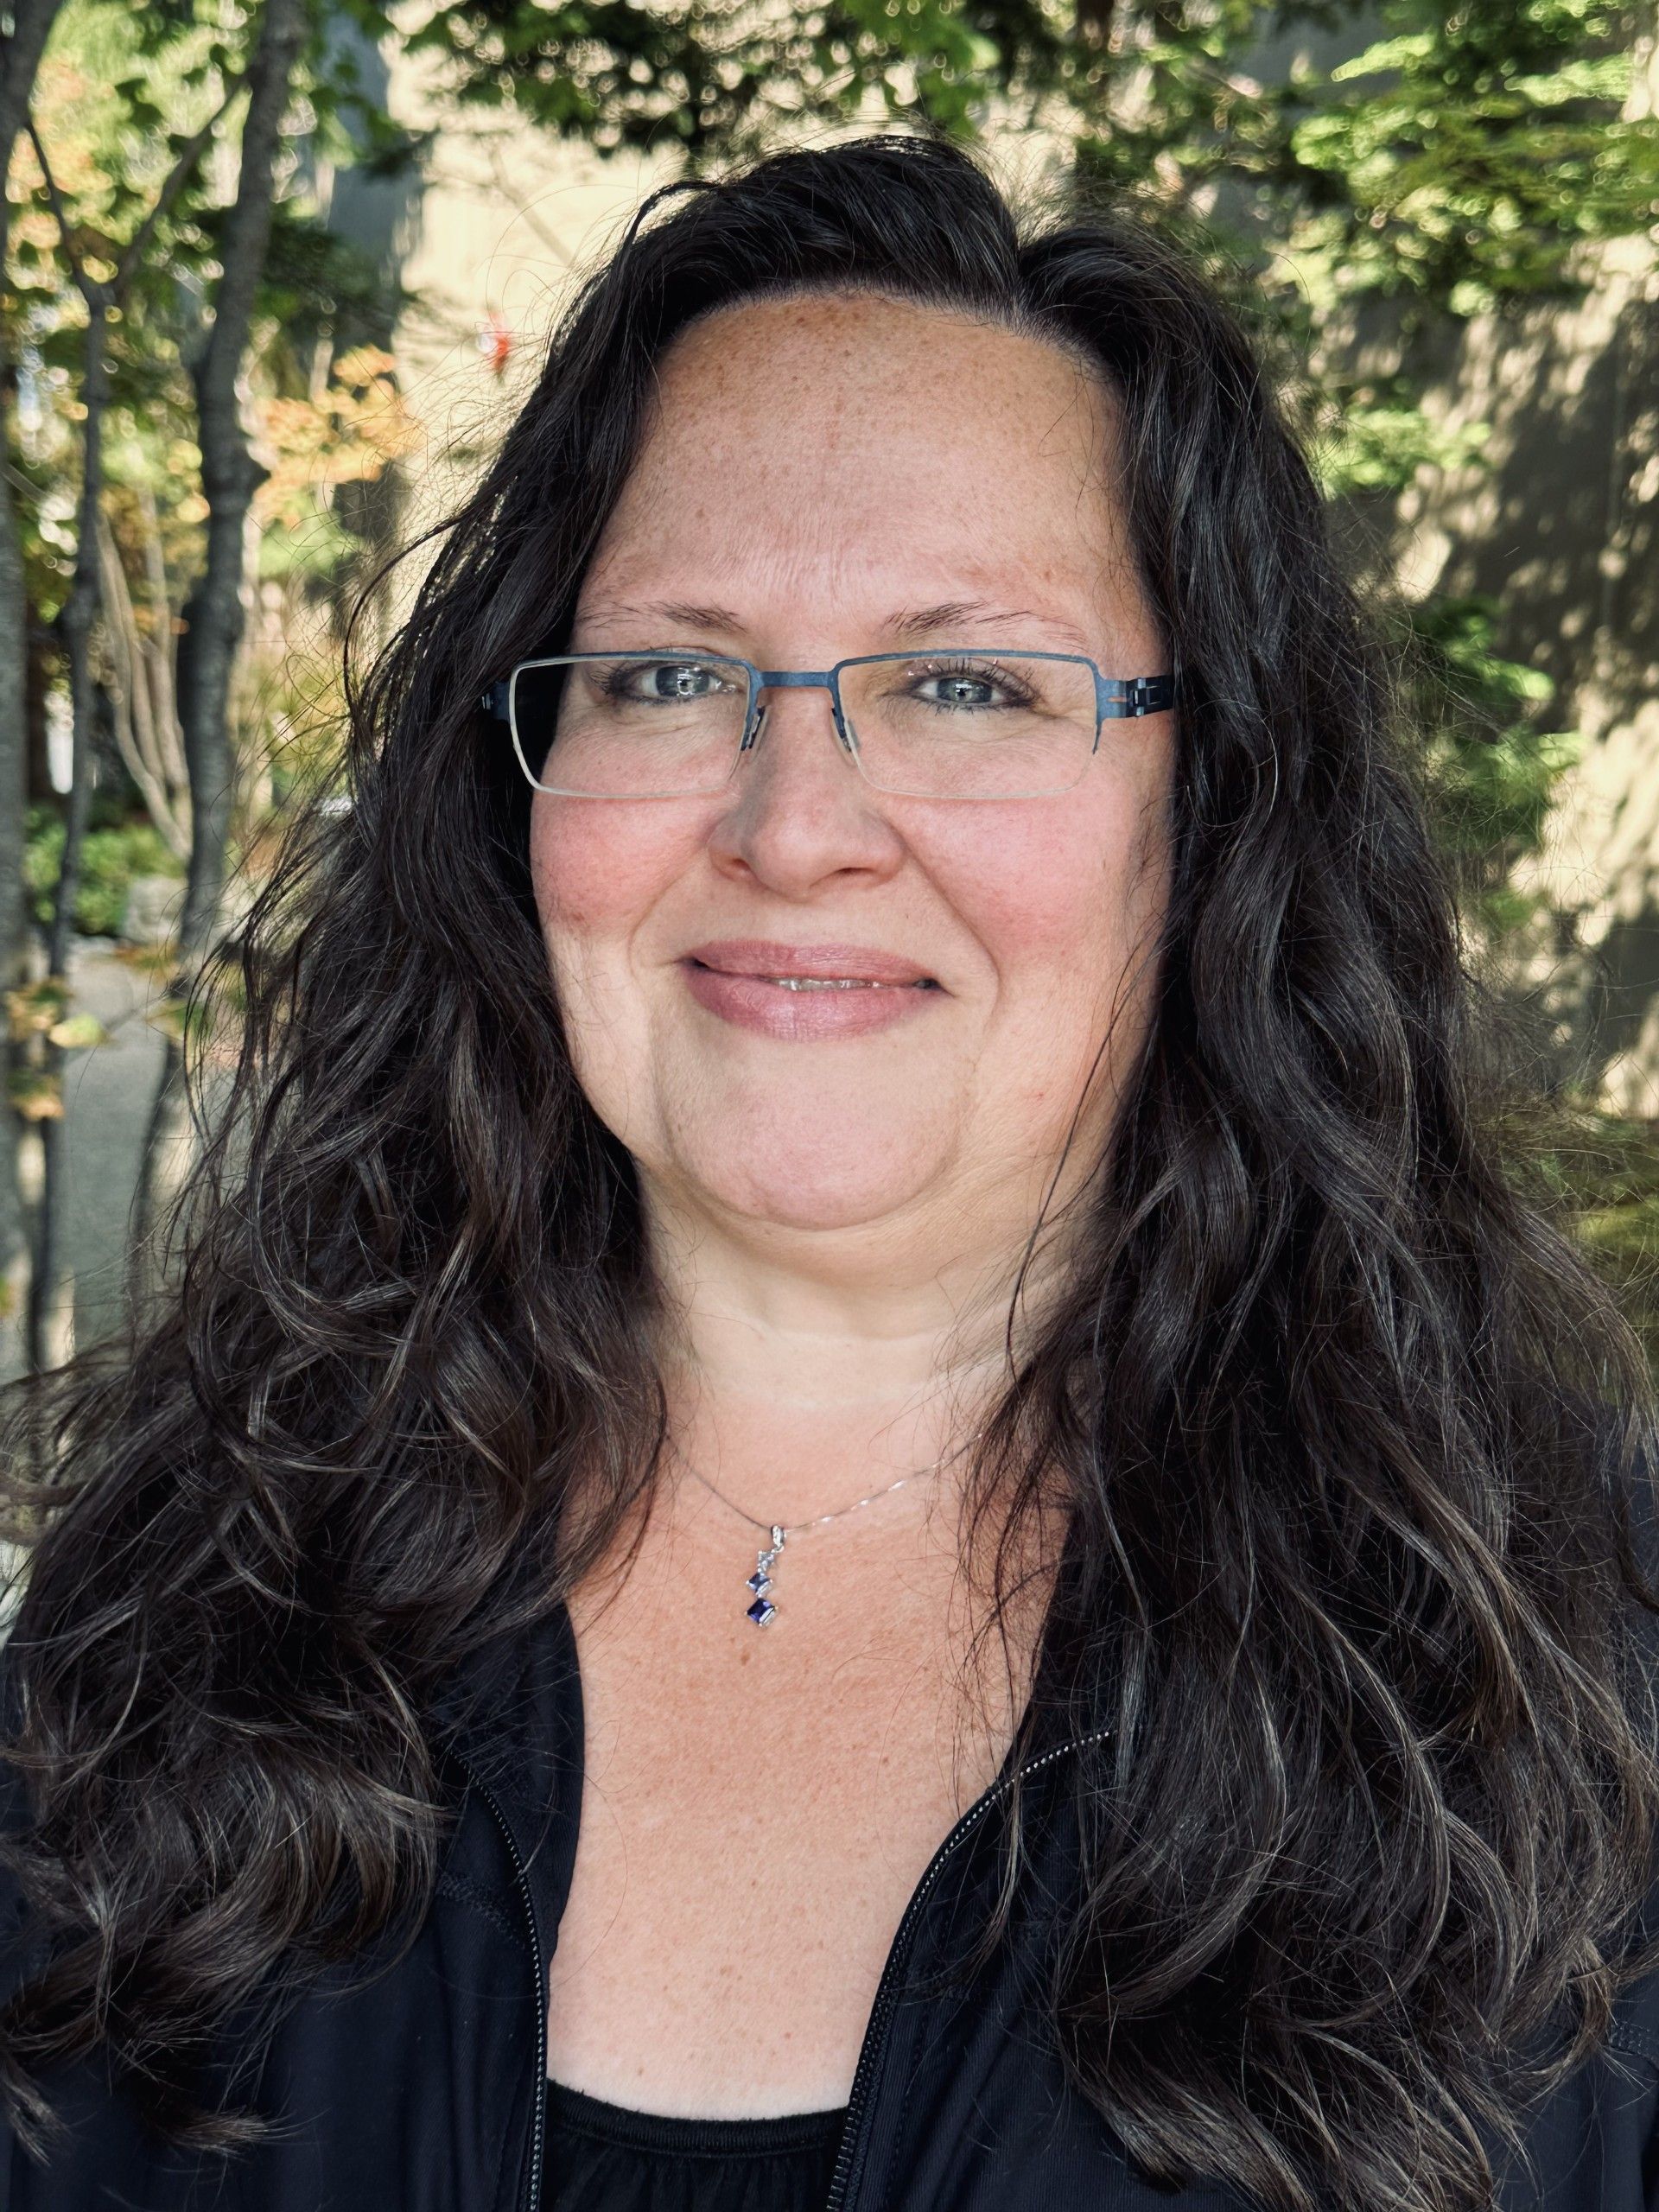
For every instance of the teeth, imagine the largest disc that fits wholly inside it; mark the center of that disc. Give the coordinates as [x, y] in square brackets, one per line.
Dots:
[829, 984]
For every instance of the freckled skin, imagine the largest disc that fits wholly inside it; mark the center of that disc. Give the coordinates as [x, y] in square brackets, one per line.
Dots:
[813, 464]
[824, 1214]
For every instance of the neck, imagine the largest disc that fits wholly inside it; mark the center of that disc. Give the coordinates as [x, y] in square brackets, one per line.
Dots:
[797, 1380]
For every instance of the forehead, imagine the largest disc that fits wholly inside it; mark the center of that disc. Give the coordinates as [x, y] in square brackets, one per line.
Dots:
[852, 445]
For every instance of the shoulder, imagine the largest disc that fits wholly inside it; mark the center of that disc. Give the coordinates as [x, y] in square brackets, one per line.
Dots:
[1589, 2144]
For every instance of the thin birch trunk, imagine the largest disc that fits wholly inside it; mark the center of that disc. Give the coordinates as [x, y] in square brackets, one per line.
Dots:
[164, 703]
[141, 703]
[50, 1333]
[20, 58]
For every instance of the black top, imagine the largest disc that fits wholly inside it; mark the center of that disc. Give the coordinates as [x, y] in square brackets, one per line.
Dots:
[602, 2157]
[420, 2086]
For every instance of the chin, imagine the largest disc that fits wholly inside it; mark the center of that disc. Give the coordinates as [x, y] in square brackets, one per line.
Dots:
[809, 1188]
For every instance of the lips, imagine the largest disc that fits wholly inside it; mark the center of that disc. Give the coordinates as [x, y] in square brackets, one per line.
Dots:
[812, 967]
[800, 994]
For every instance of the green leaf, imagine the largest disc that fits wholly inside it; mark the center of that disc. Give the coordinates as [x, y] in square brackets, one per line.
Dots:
[78, 1033]
[1386, 57]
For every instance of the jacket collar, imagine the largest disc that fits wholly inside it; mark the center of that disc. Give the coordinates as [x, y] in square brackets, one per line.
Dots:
[510, 1716]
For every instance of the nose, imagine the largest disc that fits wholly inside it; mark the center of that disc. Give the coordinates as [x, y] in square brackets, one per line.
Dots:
[800, 811]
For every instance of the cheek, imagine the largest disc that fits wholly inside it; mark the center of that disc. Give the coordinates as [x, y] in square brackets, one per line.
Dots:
[1068, 906]
[596, 873]
[596, 879]
[1067, 902]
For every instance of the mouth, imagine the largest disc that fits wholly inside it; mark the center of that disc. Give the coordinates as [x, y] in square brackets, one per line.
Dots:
[816, 982]
[810, 968]
[797, 993]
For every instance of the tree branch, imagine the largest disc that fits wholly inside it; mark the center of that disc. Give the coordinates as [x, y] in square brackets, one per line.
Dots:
[189, 155]
[141, 745]
[526, 214]
[96, 294]
[132, 253]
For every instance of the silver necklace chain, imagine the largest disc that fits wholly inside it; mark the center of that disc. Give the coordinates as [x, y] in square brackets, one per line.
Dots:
[763, 1610]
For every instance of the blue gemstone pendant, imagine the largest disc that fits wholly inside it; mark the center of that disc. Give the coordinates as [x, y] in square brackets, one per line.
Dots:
[761, 1582]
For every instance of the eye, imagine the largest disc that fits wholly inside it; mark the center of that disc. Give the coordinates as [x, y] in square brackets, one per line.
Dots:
[967, 684]
[644, 681]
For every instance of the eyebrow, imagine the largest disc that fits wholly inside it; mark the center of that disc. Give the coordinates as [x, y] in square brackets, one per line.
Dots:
[907, 623]
[953, 613]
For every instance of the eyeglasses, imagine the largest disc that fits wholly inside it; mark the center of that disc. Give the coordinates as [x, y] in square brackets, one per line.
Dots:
[957, 722]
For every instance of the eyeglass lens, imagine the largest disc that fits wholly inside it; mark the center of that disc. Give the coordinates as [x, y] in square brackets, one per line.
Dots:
[962, 723]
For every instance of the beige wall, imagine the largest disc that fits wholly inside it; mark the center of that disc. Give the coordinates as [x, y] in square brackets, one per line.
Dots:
[506, 217]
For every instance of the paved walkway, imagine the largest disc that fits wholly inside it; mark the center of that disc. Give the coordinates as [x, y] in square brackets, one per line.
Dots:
[107, 1096]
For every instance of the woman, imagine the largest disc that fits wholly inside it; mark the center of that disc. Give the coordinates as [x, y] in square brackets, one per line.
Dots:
[864, 1493]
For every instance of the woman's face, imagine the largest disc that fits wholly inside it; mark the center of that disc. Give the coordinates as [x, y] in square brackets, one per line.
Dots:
[814, 468]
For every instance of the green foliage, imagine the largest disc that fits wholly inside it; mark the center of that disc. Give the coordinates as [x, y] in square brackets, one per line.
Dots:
[314, 281]
[1492, 769]
[111, 855]
[1603, 1172]
[1470, 151]
[1461, 160]
[96, 86]
[1458, 163]
[713, 81]
[317, 551]
[1376, 438]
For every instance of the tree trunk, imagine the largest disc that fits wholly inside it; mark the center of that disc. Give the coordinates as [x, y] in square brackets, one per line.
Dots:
[141, 691]
[50, 1338]
[20, 57]
[50, 1332]
[213, 617]
[230, 475]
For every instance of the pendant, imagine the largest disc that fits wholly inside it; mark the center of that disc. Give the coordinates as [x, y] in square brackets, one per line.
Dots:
[761, 1582]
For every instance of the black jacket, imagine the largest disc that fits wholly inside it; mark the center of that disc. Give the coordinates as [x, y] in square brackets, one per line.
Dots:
[419, 2089]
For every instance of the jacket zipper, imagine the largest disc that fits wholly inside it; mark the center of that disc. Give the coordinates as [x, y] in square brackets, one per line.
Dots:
[538, 2101]
[887, 1988]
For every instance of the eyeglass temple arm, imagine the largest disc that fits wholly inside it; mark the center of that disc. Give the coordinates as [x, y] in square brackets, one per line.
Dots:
[1121, 698]
[1118, 698]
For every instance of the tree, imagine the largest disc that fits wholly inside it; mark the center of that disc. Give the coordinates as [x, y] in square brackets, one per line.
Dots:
[213, 615]
[21, 47]
[46, 1007]
[715, 82]
[212, 620]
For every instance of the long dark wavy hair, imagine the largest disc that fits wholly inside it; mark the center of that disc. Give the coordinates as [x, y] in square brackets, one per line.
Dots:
[1352, 1438]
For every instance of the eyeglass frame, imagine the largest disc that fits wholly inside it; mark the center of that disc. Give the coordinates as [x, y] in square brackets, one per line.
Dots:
[1117, 698]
